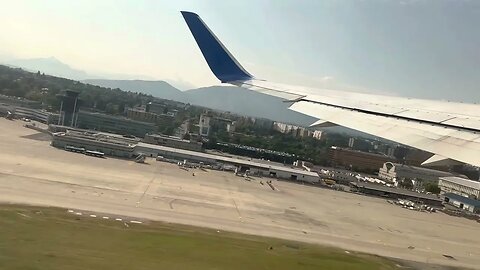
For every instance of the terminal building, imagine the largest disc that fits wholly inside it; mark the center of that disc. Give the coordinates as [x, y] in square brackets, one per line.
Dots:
[461, 186]
[174, 142]
[108, 144]
[38, 115]
[275, 170]
[24, 108]
[113, 124]
[119, 146]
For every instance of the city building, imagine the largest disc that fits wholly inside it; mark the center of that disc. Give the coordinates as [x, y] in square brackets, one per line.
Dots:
[231, 127]
[317, 134]
[296, 131]
[209, 123]
[204, 125]
[393, 172]
[356, 160]
[461, 186]
[262, 123]
[173, 142]
[139, 114]
[113, 124]
[464, 203]
[163, 108]
[154, 107]
[351, 142]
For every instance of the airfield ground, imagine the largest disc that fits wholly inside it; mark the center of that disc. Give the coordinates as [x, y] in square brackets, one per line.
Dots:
[44, 238]
[33, 172]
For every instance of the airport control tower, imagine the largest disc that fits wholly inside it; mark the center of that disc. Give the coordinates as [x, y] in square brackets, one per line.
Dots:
[68, 108]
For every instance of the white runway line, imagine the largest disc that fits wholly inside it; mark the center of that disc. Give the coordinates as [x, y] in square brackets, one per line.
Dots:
[105, 217]
[78, 213]
[93, 216]
[70, 211]
[118, 219]
[135, 221]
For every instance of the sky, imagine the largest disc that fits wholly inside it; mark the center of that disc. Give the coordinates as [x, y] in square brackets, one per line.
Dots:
[416, 48]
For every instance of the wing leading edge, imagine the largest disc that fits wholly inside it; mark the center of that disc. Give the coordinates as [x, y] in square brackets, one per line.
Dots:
[448, 129]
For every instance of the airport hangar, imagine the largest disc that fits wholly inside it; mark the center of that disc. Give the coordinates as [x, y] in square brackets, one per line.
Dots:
[119, 146]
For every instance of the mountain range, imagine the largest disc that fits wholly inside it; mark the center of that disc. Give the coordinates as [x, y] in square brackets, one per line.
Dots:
[224, 98]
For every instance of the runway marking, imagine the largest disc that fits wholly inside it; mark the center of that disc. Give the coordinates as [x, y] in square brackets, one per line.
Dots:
[118, 219]
[148, 186]
[105, 217]
[170, 203]
[136, 222]
[23, 215]
[236, 207]
[94, 216]
[78, 213]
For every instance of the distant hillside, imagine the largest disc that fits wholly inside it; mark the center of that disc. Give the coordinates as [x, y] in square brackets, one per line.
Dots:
[45, 88]
[51, 66]
[225, 98]
[159, 89]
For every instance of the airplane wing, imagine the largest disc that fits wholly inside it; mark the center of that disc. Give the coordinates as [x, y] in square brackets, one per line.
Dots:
[450, 130]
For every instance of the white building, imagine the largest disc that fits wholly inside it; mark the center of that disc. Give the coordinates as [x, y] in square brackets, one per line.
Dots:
[461, 186]
[351, 142]
[317, 134]
[231, 127]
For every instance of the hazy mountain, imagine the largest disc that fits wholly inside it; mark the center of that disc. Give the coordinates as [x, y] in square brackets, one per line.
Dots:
[50, 66]
[225, 98]
[53, 66]
[159, 89]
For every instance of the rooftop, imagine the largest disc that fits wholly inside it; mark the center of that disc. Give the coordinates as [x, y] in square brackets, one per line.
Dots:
[229, 159]
[395, 191]
[462, 181]
[399, 166]
[462, 199]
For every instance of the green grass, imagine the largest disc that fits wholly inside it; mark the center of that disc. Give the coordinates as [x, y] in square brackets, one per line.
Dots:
[50, 238]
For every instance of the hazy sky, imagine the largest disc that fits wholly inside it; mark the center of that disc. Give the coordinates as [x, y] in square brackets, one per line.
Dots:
[414, 48]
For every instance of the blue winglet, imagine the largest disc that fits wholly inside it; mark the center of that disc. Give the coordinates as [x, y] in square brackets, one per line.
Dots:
[219, 59]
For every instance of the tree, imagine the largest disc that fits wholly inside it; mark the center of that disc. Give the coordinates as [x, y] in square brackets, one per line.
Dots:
[406, 183]
[433, 188]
